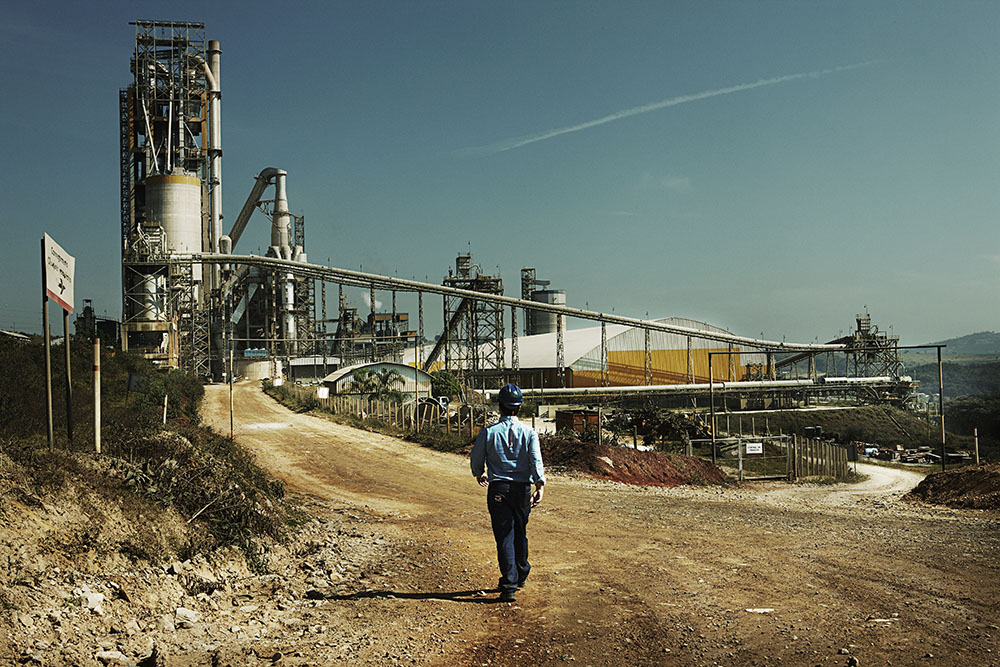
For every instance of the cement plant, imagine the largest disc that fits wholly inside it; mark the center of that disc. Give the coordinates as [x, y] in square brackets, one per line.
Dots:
[271, 461]
[191, 300]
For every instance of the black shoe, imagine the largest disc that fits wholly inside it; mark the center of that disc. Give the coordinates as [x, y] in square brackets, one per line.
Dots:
[506, 596]
[520, 584]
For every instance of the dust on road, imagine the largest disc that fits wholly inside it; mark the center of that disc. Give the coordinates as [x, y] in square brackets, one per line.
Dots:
[639, 575]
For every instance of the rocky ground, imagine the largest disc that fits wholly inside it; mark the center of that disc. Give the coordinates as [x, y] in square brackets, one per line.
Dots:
[392, 569]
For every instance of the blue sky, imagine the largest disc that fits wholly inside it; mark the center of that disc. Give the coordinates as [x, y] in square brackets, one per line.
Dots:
[758, 200]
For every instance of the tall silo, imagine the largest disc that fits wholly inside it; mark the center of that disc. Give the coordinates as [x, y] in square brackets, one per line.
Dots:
[170, 192]
[173, 202]
[542, 322]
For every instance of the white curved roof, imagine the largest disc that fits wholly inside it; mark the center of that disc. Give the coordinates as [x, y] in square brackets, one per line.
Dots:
[539, 351]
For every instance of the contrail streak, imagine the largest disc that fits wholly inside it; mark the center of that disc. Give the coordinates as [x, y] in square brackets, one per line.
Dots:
[511, 144]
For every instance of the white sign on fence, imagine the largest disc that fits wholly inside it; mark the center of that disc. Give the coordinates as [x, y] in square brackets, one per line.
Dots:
[59, 266]
[755, 448]
[322, 393]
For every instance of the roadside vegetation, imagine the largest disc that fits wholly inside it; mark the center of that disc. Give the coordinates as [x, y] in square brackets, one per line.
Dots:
[300, 401]
[147, 471]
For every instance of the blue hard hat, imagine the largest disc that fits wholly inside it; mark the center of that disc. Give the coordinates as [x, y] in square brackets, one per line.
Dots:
[510, 396]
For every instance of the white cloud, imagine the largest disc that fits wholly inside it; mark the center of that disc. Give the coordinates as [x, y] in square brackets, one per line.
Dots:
[671, 182]
[676, 183]
[518, 142]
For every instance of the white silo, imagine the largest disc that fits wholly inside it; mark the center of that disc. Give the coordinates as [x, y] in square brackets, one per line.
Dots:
[542, 322]
[173, 201]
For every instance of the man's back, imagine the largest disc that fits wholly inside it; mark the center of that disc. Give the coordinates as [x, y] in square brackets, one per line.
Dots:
[509, 451]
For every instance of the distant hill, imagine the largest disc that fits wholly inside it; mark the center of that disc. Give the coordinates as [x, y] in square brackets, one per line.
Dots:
[984, 342]
[972, 379]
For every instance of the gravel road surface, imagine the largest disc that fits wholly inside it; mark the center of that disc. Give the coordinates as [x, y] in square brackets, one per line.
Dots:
[753, 575]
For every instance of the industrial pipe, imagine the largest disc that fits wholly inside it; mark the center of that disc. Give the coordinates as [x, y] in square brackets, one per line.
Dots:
[261, 181]
[215, 147]
[360, 278]
[280, 218]
[721, 387]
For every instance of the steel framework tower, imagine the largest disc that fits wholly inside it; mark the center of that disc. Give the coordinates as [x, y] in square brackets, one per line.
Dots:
[170, 197]
[474, 329]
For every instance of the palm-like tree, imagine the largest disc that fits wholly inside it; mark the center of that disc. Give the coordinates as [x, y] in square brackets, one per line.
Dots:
[380, 384]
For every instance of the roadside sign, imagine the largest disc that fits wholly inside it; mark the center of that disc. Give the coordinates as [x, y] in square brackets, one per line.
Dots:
[59, 266]
[755, 448]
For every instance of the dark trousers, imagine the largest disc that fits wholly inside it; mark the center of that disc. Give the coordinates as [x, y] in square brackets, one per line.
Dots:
[510, 504]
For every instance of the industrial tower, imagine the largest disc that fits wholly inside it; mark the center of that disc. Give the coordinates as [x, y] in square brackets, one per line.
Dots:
[171, 201]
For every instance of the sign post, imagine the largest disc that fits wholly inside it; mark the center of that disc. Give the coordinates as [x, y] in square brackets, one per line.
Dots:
[57, 283]
[69, 380]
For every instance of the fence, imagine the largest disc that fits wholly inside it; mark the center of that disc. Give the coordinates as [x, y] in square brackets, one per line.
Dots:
[790, 457]
[423, 415]
[754, 457]
[815, 458]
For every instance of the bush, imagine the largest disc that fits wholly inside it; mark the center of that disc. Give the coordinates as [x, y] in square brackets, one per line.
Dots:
[443, 383]
[205, 476]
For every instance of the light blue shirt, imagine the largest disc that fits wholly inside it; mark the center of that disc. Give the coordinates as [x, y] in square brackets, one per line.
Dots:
[509, 451]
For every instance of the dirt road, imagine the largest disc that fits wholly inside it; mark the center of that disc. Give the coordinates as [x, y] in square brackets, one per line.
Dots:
[633, 575]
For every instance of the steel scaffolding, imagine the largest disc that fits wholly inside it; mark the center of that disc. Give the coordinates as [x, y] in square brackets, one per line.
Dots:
[474, 335]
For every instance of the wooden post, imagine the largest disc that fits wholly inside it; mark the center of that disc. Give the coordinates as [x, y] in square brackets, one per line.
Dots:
[97, 395]
[165, 408]
[69, 379]
[975, 440]
[739, 450]
[48, 352]
[788, 460]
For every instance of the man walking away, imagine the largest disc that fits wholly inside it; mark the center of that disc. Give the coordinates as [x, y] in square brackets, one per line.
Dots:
[508, 461]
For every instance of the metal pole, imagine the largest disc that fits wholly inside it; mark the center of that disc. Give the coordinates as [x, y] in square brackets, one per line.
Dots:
[48, 351]
[231, 420]
[711, 393]
[447, 343]
[604, 355]
[515, 360]
[325, 332]
[941, 404]
[97, 395]
[416, 380]
[690, 361]
[975, 440]
[648, 375]
[560, 351]
[69, 380]
[371, 297]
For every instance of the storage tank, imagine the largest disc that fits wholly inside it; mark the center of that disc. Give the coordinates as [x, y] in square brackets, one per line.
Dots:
[174, 201]
[540, 322]
[151, 306]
